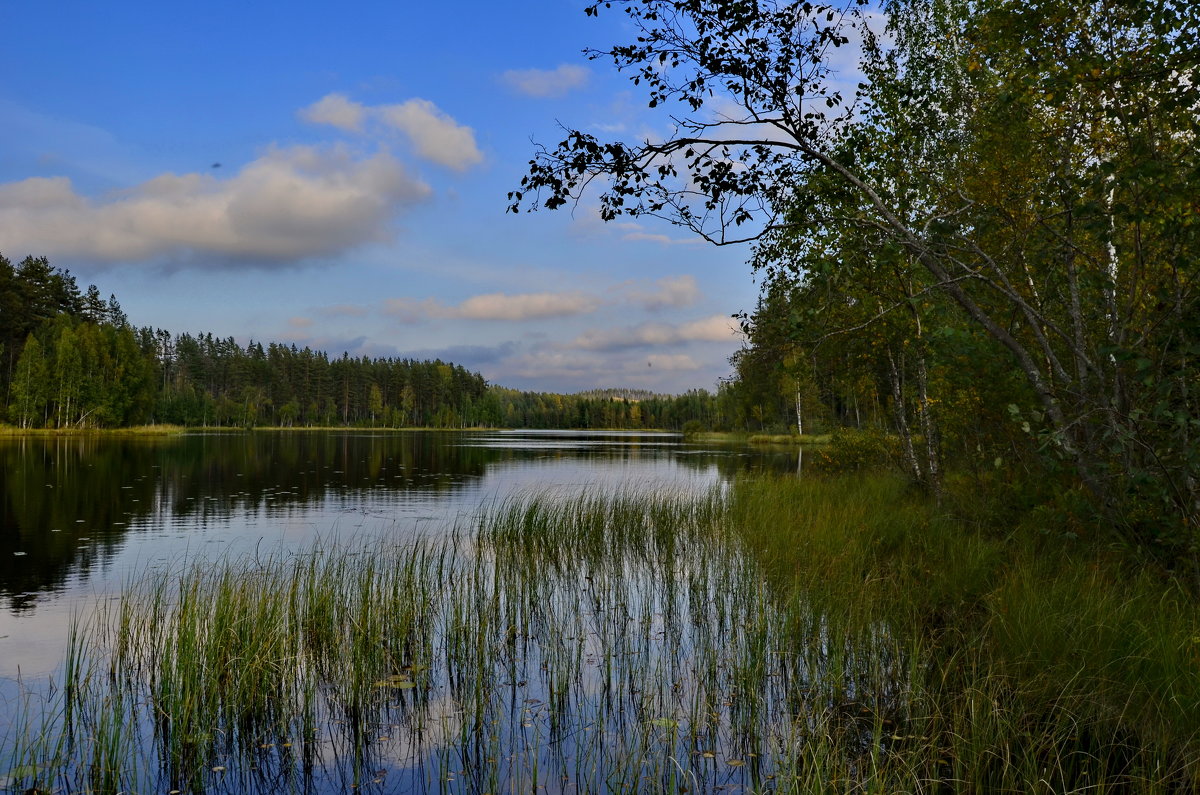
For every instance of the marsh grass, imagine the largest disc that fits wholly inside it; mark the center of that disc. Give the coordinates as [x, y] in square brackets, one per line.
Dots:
[784, 636]
[137, 430]
[790, 439]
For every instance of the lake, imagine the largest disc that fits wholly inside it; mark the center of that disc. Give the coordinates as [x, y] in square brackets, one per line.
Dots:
[81, 515]
[476, 612]
[385, 612]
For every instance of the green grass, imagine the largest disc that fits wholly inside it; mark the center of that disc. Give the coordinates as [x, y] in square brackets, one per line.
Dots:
[137, 430]
[1039, 658]
[790, 439]
[786, 636]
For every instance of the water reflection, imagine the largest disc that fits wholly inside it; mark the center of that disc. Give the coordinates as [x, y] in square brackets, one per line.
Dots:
[79, 513]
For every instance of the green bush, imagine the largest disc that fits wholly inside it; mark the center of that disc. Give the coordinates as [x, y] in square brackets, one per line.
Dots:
[853, 450]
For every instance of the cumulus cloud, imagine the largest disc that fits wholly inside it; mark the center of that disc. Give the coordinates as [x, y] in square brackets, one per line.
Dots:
[613, 339]
[589, 222]
[546, 83]
[679, 362]
[433, 133]
[336, 110]
[527, 306]
[550, 368]
[714, 328]
[289, 205]
[496, 306]
[561, 367]
[656, 237]
[717, 328]
[668, 292]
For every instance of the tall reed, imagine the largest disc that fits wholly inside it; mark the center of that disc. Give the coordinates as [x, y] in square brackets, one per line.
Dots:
[780, 636]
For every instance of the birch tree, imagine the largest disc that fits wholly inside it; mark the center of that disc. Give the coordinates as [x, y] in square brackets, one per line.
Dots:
[1034, 162]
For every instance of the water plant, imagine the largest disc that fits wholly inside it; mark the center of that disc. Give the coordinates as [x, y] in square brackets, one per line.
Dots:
[781, 636]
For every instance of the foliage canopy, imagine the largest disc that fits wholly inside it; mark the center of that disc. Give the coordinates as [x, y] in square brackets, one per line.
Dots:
[1013, 178]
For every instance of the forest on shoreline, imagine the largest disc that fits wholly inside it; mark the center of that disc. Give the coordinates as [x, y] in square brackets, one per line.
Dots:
[984, 261]
[982, 248]
[71, 360]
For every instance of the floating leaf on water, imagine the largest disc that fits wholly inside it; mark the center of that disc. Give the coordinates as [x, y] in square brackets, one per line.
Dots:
[218, 769]
[734, 762]
[708, 755]
[666, 723]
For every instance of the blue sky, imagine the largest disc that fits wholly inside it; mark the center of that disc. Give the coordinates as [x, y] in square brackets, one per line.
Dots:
[334, 175]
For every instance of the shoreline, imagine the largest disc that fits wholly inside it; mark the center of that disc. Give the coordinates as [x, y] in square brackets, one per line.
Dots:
[12, 431]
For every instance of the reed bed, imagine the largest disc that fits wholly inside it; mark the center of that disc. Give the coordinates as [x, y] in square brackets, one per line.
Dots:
[135, 430]
[779, 637]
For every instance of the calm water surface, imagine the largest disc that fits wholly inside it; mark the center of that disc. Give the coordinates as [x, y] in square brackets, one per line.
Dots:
[80, 516]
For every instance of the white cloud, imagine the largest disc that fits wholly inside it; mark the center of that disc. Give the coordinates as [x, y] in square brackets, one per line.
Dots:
[673, 362]
[647, 334]
[717, 328]
[547, 365]
[666, 240]
[499, 306]
[434, 134]
[496, 306]
[546, 83]
[289, 205]
[667, 292]
[336, 110]
[587, 221]
[558, 370]
[714, 328]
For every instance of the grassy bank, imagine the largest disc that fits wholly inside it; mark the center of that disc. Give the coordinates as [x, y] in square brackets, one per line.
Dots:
[779, 439]
[1040, 663]
[790, 439]
[789, 636]
[137, 430]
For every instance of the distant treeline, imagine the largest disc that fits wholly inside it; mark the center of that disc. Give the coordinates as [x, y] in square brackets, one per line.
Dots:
[70, 359]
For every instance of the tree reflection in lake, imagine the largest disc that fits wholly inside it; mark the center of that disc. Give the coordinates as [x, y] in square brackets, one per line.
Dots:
[85, 510]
